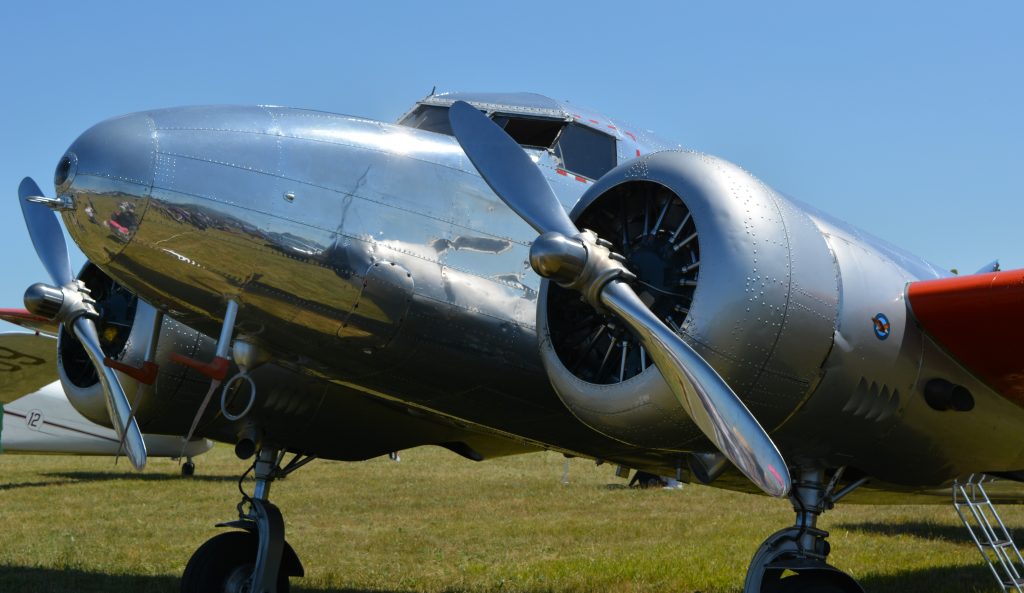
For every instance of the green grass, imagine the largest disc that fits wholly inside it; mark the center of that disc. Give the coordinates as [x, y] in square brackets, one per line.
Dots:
[436, 522]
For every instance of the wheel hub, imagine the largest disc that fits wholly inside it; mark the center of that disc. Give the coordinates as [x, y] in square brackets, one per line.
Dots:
[239, 580]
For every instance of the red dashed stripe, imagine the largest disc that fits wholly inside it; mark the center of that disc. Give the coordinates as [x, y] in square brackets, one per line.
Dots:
[594, 121]
[638, 152]
[630, 134]
[576, 116]
[611, 127]
[565, 173]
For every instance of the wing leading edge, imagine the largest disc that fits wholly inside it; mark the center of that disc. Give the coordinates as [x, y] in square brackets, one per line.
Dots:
[27, 320]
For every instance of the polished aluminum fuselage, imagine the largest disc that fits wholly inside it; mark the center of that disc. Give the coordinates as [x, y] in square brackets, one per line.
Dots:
[374, 257]
[368, 254]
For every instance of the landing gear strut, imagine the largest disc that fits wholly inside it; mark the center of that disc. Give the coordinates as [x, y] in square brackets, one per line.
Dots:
[257, 559]
[803, 548]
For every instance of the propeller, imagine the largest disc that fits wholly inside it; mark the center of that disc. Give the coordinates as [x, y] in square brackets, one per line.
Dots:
[583, 262]
[69, 302]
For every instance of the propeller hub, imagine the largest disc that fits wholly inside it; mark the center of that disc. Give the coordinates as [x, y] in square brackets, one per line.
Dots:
[582, 263]
[44, 300]
[557, 257]
[64, 303]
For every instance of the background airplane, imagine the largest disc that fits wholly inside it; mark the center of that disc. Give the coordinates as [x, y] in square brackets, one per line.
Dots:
[45, 423]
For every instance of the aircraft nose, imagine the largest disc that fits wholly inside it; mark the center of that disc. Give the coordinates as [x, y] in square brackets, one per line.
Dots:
[106, 177]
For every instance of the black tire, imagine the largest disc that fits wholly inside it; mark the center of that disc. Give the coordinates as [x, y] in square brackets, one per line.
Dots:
[224, 564]
[811, 582]
[188, 469]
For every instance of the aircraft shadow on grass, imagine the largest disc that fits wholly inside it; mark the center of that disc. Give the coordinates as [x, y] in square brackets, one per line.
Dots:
[59, 478]
[133, 476]
[942, 579]
[921, 529]
[37, 579]
[16, 485]
[939, 579]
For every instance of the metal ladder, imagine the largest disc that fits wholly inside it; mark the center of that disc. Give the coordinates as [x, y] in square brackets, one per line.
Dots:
[989, 533]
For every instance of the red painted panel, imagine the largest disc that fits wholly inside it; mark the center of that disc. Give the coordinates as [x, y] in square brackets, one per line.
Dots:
[979, 319]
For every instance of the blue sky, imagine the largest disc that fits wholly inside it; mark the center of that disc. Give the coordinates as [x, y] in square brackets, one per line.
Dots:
[902, 119]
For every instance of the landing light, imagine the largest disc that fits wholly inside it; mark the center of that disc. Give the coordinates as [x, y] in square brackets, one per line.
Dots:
[65, 173]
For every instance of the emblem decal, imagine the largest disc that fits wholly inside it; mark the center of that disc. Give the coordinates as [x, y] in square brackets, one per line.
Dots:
[882, 327]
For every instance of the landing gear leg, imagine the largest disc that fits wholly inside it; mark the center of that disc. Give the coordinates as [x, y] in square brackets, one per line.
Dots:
[188, 468]
[803, 548]
[258, 559]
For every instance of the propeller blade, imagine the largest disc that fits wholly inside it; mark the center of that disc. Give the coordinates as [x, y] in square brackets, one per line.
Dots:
[707, 398]
[508, 170]
[47, 237]
[48, 240]
[117, 402]
[710, 402]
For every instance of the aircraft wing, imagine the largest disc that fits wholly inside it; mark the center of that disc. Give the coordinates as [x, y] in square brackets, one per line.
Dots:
[27, 320]
[977, 319]
[28, 362]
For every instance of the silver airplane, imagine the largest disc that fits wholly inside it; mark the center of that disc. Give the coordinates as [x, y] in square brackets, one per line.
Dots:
[324, 286]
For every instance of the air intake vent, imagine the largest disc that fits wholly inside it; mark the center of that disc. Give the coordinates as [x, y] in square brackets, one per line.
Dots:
[652, 228]
[872, 401]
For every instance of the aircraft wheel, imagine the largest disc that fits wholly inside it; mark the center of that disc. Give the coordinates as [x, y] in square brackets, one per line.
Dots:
[188, 469]
[813, 582]
[224, 564]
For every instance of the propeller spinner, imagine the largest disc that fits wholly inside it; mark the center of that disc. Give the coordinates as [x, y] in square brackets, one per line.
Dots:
[69, 302]
[583, 262]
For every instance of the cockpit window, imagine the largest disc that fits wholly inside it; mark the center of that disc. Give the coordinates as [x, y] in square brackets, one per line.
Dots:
[530, 132]
[586, 151]
[432, 118]
[579, 149]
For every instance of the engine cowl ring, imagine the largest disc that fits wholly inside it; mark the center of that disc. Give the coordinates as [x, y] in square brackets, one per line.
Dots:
[748, 281]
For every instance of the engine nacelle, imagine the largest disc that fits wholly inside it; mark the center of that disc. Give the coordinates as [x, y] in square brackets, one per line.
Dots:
[739, 271]
[125, 327]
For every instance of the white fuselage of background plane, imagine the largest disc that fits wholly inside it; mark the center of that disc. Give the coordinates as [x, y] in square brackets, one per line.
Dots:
[44, 422]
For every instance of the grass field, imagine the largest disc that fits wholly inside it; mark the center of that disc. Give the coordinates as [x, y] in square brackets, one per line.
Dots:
[435, 522]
